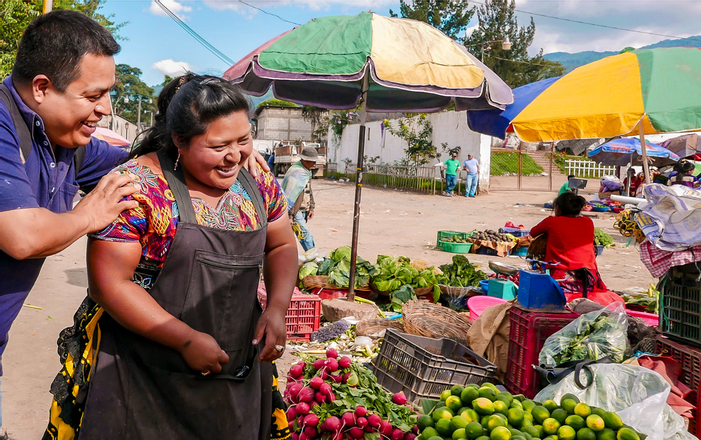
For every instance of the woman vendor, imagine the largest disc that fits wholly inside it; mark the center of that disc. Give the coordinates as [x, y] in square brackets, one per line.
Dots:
[185, 349]
[570, 242]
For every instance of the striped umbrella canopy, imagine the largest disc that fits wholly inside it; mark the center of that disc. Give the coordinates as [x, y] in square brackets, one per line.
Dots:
[410, 66]
[111, 137]
[393, 64]
[623, 151]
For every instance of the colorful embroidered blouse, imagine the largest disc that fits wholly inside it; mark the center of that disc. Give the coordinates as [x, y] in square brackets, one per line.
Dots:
[154, 221]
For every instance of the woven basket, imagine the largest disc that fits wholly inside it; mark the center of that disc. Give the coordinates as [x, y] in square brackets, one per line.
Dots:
[371, 326]
[422, 318]
[536, 250]
[322, 282]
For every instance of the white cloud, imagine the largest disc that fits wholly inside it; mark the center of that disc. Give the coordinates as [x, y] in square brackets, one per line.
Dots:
[172, 68]
[177, 8]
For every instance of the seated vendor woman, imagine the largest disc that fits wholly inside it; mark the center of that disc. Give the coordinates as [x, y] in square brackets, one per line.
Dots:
[571, 244]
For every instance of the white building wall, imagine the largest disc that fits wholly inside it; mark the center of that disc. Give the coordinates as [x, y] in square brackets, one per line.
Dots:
[450, 127]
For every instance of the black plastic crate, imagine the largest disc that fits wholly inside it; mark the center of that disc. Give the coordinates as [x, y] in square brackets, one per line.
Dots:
[680, 305]
[424, 367]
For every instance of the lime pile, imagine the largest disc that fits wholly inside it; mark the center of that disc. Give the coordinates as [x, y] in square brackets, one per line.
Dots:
[482, 412]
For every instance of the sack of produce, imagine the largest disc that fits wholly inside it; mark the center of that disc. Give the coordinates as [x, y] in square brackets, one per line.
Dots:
[594, 335]
[637, 394]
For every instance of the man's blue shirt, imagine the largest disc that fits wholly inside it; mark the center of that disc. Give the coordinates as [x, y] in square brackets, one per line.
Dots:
[44, 181]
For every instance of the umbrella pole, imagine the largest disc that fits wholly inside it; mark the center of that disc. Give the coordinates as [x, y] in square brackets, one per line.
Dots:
[358, 185]
[643, 148]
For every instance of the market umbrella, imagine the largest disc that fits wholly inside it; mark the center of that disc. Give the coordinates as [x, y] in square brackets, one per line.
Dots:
[621, 152]
[687, 145]
[111, 137]
[393, 64]
[646, 91]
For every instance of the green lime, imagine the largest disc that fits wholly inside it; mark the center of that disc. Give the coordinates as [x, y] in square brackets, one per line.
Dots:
[456, 390]
[424, 422]
[443, 427]
[575, 421]
[468, 395]
[586, 434]
[550, 426]
[583, 410]
[550, 405]
[500, 433]
[515, 417]
[566, 433]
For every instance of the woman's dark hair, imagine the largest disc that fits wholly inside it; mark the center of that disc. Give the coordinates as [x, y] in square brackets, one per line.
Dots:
[186, 107]
[569, 203]
[683, 166]
[54, 44]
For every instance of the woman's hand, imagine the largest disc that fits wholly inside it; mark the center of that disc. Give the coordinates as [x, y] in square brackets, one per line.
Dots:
[271, 325]
[202, 353]
[253, 159]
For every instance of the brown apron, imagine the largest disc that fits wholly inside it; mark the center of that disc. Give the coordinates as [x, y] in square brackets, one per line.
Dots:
[144, 390]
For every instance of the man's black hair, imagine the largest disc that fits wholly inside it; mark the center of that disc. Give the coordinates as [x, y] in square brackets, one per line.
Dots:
[54, 44]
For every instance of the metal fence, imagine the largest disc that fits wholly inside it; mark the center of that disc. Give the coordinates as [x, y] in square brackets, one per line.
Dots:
[518, 169]
[424, 179]
[588, 169]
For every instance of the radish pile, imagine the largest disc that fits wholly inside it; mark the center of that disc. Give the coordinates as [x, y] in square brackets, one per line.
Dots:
[337, 399]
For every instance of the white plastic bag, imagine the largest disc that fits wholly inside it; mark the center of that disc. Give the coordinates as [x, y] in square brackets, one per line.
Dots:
[593, 335]
[637, 394]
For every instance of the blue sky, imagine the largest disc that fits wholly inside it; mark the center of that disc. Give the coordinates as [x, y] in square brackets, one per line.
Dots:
[157, 45]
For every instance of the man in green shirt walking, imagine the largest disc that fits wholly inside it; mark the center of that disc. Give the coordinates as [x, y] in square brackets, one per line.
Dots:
[451, 174]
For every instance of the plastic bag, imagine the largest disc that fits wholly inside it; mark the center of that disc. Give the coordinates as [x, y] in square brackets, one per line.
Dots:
[638, 395]
[594, 335]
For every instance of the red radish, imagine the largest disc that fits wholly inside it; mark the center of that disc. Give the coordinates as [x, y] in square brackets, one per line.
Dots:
[397, 434]
[291, 425]
[337, 378]
[303, 436]
[302, 409]
[296, 371]
[415, 428]
[345, 362]
[319, 363]
[293, 391]
[361, 422]
[336, 436]
[306, 394]
[348, 419]
[332, 364]
[320, 397]
[294, 435]
[313, 405]
[310, 432]
[360, 411]
[311, 420]
[324, 374]
[374, 420]
[326, 389]
[331, 353]
[370, 429]
[333, 424]
[291, 413]
[356, 432]
[386, 428]
[302, 364]
[399, 398]
[332, 397]
[409, 436]
[316, 382]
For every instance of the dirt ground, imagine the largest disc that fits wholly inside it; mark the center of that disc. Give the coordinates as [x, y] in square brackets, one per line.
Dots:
[392, 222]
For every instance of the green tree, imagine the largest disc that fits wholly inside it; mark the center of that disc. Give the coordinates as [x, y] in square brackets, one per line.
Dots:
[417, 133]
[128, 90]
[448, 16]
[497, 20]
[319, 120]
[17, 14]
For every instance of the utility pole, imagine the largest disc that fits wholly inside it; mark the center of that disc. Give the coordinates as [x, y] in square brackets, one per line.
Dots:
[138, 117]
[48, 6]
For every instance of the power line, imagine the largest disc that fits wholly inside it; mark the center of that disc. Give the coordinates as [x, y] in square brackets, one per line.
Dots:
[594, 24]
[269, 13]
[195, 35]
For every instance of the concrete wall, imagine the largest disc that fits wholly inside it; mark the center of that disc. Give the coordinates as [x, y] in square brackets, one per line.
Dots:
[450, 127]
[120, 126]
[285, 124]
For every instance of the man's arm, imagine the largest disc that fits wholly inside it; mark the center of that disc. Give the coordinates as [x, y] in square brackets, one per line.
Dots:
[38, 232]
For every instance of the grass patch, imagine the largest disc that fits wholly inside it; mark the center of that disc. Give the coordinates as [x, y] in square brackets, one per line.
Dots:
[507, 164]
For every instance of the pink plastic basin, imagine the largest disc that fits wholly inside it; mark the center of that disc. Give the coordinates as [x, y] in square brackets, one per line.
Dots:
[649, 318]
[478, 303]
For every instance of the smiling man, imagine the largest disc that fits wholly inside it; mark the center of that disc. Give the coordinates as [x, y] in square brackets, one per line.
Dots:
[58, 91]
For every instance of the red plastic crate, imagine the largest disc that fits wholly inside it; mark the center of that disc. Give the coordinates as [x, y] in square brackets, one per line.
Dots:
[303, 317]
[529, 330]
[690, 360]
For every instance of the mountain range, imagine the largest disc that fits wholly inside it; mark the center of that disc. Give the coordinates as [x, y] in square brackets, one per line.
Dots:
[574, 60]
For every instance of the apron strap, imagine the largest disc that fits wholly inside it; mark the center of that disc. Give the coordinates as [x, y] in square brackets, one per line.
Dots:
[176, 182]
[251, 187]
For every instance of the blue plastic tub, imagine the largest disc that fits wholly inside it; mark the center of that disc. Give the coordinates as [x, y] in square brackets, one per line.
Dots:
[484, 285]
[540, 291]
[516, 232]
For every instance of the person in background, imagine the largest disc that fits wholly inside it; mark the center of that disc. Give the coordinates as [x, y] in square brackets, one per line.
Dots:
[683, 174]
[632, 182]
[451, 173]
[297, 185]
[570, 242]
[184, 350]
[472, 166]
[566, 186]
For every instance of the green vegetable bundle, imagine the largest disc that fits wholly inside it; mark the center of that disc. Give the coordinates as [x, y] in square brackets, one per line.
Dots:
[460, 273]
[337, 268]
[394, 272]
[601, 238]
